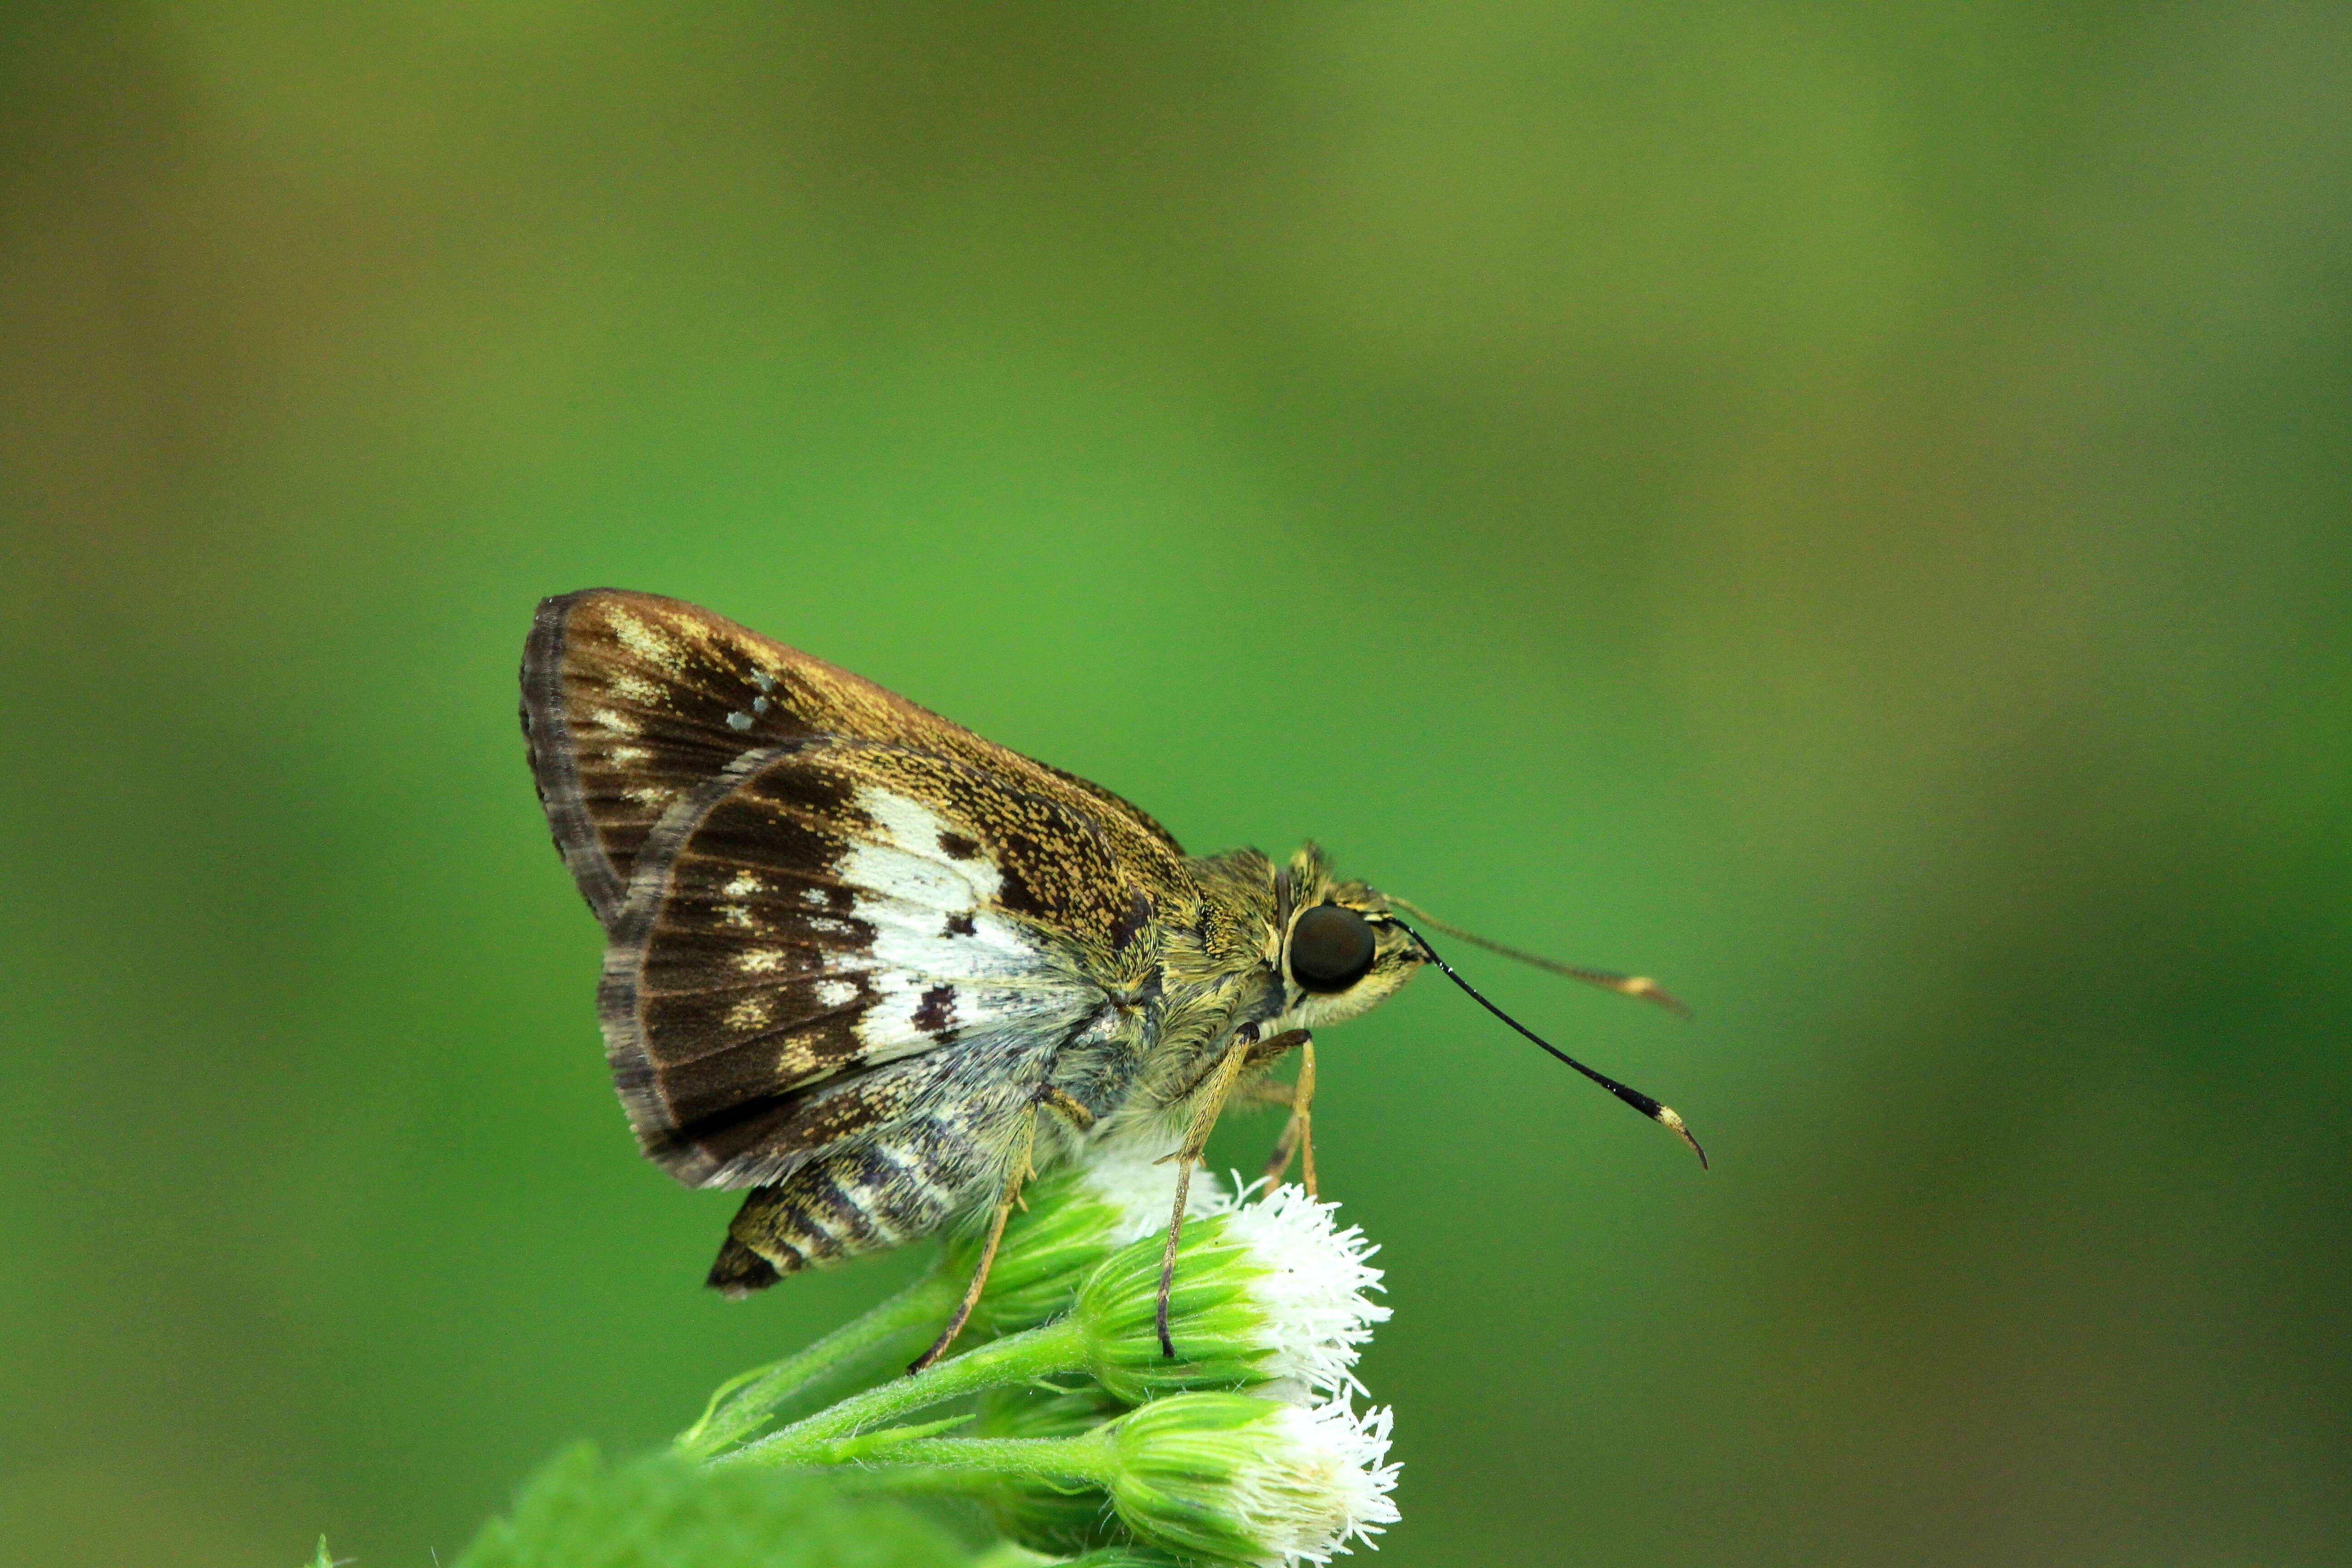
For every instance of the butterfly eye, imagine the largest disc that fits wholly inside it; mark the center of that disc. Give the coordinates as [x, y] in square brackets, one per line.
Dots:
[1330, 947]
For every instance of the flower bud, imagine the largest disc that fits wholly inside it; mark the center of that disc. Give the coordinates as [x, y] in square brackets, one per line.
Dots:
[1271, 1292]
[1077, 1216]
[1239, 1479]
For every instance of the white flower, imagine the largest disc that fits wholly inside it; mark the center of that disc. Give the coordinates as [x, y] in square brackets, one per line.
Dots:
[1311, 1286]
[1141, 1188]
[1269, 1293]
[1254, 1481]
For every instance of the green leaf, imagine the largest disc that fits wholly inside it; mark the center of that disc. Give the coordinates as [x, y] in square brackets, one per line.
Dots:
[664, 1512]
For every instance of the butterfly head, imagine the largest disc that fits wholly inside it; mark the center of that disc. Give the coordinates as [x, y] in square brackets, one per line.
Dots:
[1340, 953]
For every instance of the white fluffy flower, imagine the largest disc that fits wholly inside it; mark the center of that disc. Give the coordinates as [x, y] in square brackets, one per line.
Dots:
[1141, 1188]
[1254, 1481]
[1272, 1292]
[1310, 1286]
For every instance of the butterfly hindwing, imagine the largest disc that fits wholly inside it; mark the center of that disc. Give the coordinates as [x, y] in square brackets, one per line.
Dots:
[632, 701]
[822, 909]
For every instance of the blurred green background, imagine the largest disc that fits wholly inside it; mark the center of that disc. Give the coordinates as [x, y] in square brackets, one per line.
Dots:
[1842, 506]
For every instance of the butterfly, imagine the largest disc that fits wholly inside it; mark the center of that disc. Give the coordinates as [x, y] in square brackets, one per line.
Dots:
[878, 971]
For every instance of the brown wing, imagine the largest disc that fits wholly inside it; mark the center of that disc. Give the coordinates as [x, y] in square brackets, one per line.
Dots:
[630, 700]
[828, 905]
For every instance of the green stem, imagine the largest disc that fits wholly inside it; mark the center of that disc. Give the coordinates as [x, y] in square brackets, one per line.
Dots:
[1088, 1458]
[962, 1465]
[911, 1480]
[743, 1404]
[1039, 1353]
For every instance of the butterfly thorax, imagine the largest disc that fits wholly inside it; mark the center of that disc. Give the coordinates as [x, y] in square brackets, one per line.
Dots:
[1217, 973]
[1223, 969]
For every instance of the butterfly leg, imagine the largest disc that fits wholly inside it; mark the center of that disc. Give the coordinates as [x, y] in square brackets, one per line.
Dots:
[1076, 1114]
[1016, 1176]
[1298, 1135]
[1079, 1117]
[1219, 1087]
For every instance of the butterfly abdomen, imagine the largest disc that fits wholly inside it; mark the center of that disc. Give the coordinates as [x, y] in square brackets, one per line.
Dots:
[868, 1197]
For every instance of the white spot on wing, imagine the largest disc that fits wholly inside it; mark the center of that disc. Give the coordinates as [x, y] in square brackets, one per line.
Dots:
[743, 885]
[739, 721]
[836, 993]
[908, 862]
[886, 871]
[906, 884]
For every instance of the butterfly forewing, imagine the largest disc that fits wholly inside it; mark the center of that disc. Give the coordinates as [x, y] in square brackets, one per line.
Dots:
[632, 701]
[827, 906]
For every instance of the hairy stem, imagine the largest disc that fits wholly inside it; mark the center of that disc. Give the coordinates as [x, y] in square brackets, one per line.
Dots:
[1017, 1358]
[744, 1404]
[1086, 1458]
[960, 1465]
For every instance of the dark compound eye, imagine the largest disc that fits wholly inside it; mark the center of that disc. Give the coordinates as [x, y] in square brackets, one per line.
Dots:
[1330, 947]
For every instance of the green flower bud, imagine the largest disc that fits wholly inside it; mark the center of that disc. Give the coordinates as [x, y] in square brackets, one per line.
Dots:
[1243, 1480]
[1270, 1293]
[1076, 1216]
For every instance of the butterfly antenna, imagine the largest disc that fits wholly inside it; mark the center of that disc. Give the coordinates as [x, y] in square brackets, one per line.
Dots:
[1639, 985]
[1664, 1115]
